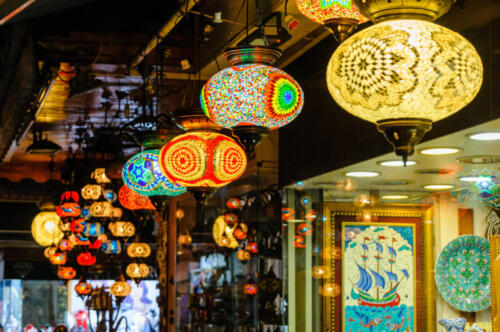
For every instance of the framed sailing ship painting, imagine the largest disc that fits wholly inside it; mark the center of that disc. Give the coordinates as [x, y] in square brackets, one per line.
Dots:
[382, 269]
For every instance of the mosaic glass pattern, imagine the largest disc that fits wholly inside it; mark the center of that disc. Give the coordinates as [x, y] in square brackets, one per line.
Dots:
[137, 271]
[131, 200]
[252, 94]
[83, 288]
[46, 228]
[111, 247]
[138, 250]
[202, 159]
[66, 273]
[321, 11]
[142, 174]
[404, 69]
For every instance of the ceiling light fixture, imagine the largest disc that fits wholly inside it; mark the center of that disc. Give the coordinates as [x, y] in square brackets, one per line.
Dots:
[439, 186]
[471, 178]
[444, 151]
[485, 136]
[362, 174]
[396, 163]
[479, 159]
[405, 72]
[395, 197]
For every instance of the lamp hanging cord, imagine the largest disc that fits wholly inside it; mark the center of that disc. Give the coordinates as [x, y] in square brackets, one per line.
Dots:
[261, 24]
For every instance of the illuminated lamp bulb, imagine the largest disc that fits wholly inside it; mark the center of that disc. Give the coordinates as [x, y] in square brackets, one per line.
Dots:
[233, 203]
[102, 209]
[405, 72]
[66, 272]
[250, 289]
[222, 233]
[138, 250]
[320, 272]
[311, 215]
[58, 258]
[185, 239]
[99, 175]
[252, 247]
[305, 229]
[142, 174]
[243, 255]
[120, 288]
[287, 214]
[202, 161]
[131, 200]
[230, 219]
[93, 229]
[83, 288]
[66, 244]
[329, 289]
[49, 251]
[340, 17]
[179, 213]
[241, 231]
[299, 242]
[137, 271]
[91, 192]
[46, 228]
[122, 228]
[68, 210]
[252, 97]
[85, 259]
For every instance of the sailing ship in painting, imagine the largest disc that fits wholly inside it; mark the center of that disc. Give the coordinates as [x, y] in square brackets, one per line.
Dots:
[378, 261]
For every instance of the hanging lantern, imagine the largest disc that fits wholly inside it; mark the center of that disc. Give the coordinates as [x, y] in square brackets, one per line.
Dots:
[251, 96]
[85, 213]
[299, 242]
[122, 228]
[341, 17]
[46, 228]
[223, 233]
[404, 74]
[117, 213]
[137, 271]
[142, 174]
[252, 247]
[230, 219]
[305, 229]
[58, 258]
[320, 272]
[66, 272]
[110, 196]
[77, 225]
[68, 210]
[138, 250]
[85, 259]
[311, 215]
[120, 288]
[83, 288]
[287, 214]
[240, 232]
[99, 175]
[329, 289]
[91, 192]
[111, 247]
[70, 196]
[250, 289]
[234, 203]
[93, 229]
[96, 244]
[80, 240]
[185, 239]
[202, 160]
[243, 255]
[102, 209]
[131, 200]
[49, 252]
[66, 245]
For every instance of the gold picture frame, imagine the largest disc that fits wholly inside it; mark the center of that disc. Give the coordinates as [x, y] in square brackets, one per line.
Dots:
[332, 211]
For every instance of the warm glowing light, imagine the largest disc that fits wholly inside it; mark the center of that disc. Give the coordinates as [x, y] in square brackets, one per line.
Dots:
[322, 11]
[234, 203]
[439, 186]
[305, 229]
[120, 288]
[471, 178]
[83, 288]
[102, 209]
[329, 289]
[404, 69]
[395, 197]
[252, 247]
[202, 159]
[49, 252]
[486, 136]
[320, 272]
[252, 94]
[138, 250]
[66, 245]
[86, 259]
[122, 228]
[93, 229]
[250, 289]
[440, 151]
[58, 258]
[137, 271]
[142, 174]
[243, 255]
[185, 239]
[91, 191]
[68, 210]
[66, 273]
[362, 174]
[46, 228]
[111, 247]
[222, 233]
[131, 200]
[99, 175]
[299, 241]
[397, 163]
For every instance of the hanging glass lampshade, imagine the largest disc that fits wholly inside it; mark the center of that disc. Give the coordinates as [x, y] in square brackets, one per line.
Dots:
[85, 259]
[83, 288]
[49, 251]
[58, 258]
[138, 250]
[185, 239]
[68, 210]
[252, 97]
[111, 247]
[341, 17]
[137, 271]
[250, 289]
[66, 244]
[222, 233]
[91, 192]
[93, 229]
[122, 228]
[202, 161]
[102, 209]
[120, 288]
[66, 272]
[46, 228]
[142, 174]
[406, 72]
[77, 225]
[99, 175]
[131, 200]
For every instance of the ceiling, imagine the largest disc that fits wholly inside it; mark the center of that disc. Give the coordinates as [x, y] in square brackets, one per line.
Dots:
[391, 181]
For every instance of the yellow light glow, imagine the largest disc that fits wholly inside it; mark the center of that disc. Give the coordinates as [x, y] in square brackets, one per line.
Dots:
[486, 136]
[445, 151]
[362, 174]
[396, 163]
[46, 228]
[395, 197]
[439, 186]
[404, 69]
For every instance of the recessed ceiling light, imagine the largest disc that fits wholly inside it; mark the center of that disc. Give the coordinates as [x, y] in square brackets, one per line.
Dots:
[439, 186]
[471, 178]
[395, 197]
[362, 174]
[479, 159]
[396, 163]
[486, 136]
[443, 151]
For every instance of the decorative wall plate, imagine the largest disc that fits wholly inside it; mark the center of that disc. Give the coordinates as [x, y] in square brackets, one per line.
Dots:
[463, 273]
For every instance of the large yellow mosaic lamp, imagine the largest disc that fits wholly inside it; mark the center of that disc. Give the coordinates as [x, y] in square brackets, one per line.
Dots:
[405, 72]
